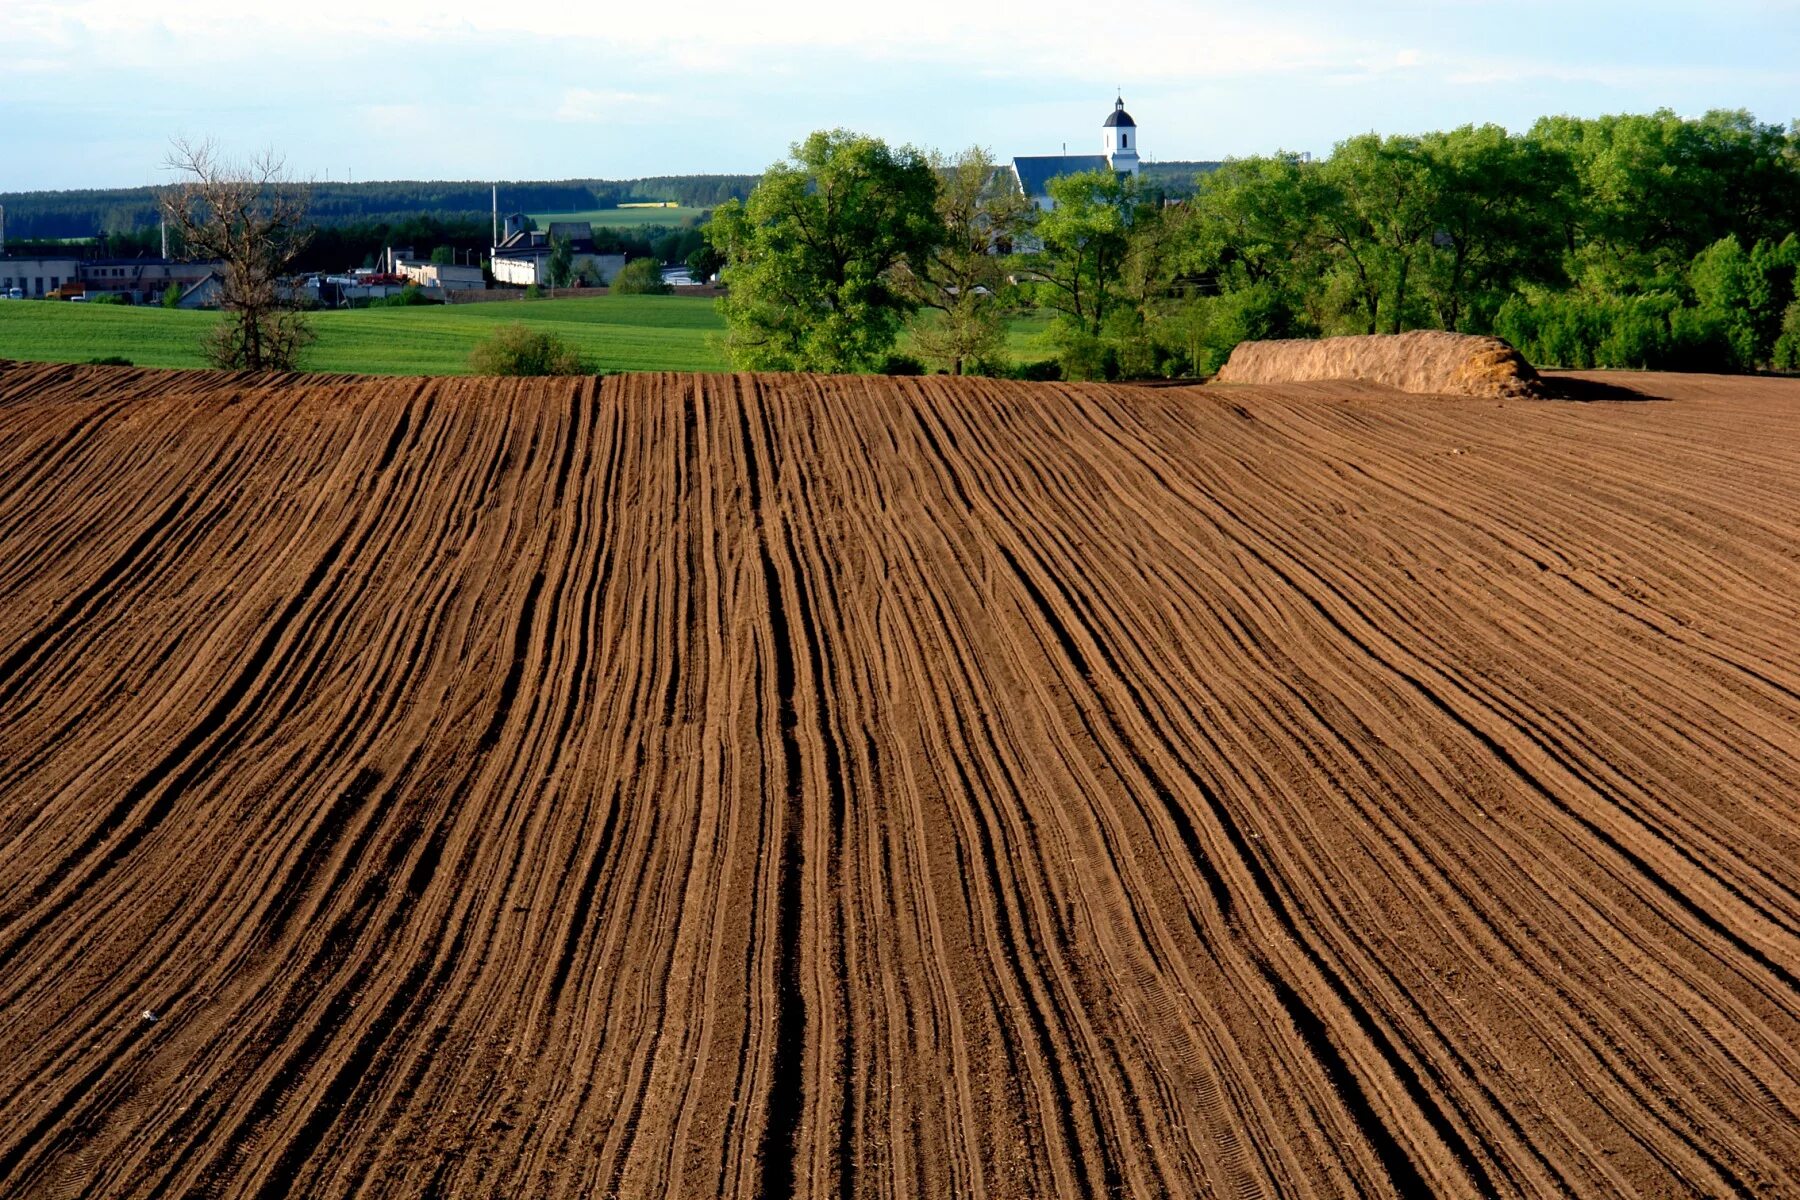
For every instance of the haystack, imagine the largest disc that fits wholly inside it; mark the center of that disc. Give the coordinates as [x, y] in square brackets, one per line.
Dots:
[1425, 361]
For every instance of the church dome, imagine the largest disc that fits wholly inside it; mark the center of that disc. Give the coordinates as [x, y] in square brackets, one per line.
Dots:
[1119, 117]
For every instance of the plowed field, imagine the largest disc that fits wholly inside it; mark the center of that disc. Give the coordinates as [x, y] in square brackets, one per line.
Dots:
[692, 786]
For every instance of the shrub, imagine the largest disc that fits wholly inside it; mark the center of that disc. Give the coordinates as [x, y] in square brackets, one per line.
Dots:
[111, 360]
[517, 349]
[1046, 370]
[410, 296]
[902, 364]
[105, 298]
[533, 292]
[171, 295]
[640, 277]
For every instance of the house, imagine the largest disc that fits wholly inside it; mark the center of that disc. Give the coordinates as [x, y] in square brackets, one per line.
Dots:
[1119, 152]
[523, 256]
[204, 292]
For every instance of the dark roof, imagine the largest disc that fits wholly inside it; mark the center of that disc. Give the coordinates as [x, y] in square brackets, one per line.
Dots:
[1119, 117]
[1036, 172]
[542, 249]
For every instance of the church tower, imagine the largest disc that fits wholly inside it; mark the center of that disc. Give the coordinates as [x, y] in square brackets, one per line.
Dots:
[1120, 138]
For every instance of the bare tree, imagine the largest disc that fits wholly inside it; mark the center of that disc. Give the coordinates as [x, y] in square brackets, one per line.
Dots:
[252, 218]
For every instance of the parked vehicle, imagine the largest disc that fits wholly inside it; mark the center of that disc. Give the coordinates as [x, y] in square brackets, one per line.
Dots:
[12, 294]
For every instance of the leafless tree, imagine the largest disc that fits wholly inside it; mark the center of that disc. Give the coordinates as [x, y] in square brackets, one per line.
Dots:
[252, 218]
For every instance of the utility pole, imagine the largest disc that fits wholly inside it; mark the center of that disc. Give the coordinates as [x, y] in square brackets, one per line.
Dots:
[2, 229]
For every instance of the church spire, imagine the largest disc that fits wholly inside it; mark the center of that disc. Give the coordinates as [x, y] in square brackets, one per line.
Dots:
[1118, 138]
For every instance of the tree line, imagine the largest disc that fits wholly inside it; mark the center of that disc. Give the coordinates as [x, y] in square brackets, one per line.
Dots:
[126, 211]
[1647, 241]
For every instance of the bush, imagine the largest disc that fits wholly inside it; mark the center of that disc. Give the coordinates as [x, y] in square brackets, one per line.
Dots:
[517, 349]
[410, 296]
[105, 298]
[111, 360]
[1651, 332]
[171, 295]
[902, 364]
[641, 277]
[533, 292]
[1046, 370]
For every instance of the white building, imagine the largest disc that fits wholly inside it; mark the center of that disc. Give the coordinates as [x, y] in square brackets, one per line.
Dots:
[136, 280]
[523, 256]
[38, 277]
[1119, 152]
[441, 276]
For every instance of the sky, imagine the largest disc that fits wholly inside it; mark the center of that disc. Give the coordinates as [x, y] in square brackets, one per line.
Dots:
[92, 91]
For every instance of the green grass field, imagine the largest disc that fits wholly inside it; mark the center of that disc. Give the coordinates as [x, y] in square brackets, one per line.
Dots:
[624, 218]
[614, 333]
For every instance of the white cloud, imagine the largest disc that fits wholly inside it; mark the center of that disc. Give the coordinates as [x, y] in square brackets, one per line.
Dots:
[1154, 40]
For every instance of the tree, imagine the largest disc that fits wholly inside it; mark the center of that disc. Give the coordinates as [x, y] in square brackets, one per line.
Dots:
[1380, 214]
[562, 262]
[704, 263]
[171, 296]
[1074, 264]
[444, 256]
[1657, 189]
[252, 219]
[1499, 221]
[813, 257]
[962, 284]
[640, 277]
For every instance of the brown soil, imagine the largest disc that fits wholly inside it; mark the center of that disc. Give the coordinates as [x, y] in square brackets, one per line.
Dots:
[693, 786]
[1424, 361]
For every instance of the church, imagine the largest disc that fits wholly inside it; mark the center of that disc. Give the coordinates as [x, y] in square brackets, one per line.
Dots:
[1119, 152]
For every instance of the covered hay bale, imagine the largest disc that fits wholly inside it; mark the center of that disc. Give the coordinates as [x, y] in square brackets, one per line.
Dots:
[1425, 361]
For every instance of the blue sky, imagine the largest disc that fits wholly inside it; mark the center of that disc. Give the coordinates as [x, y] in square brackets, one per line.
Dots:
[91, 91]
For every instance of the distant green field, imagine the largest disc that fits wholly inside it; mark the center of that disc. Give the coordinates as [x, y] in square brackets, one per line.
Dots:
[614, 333]
[624, 218]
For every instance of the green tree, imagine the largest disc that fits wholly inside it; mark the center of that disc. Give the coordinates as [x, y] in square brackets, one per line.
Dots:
[1498, 222]
[1379, 213]
[640, 277]
[1250, 249]
[1073, 264]
[962, 287]
[561, 268]
[1654, 190]
[704, 263]
[171, 296]
[1080, 246]
[1724, 281]
[1787, 342]
[812, 258]
[444, 256]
